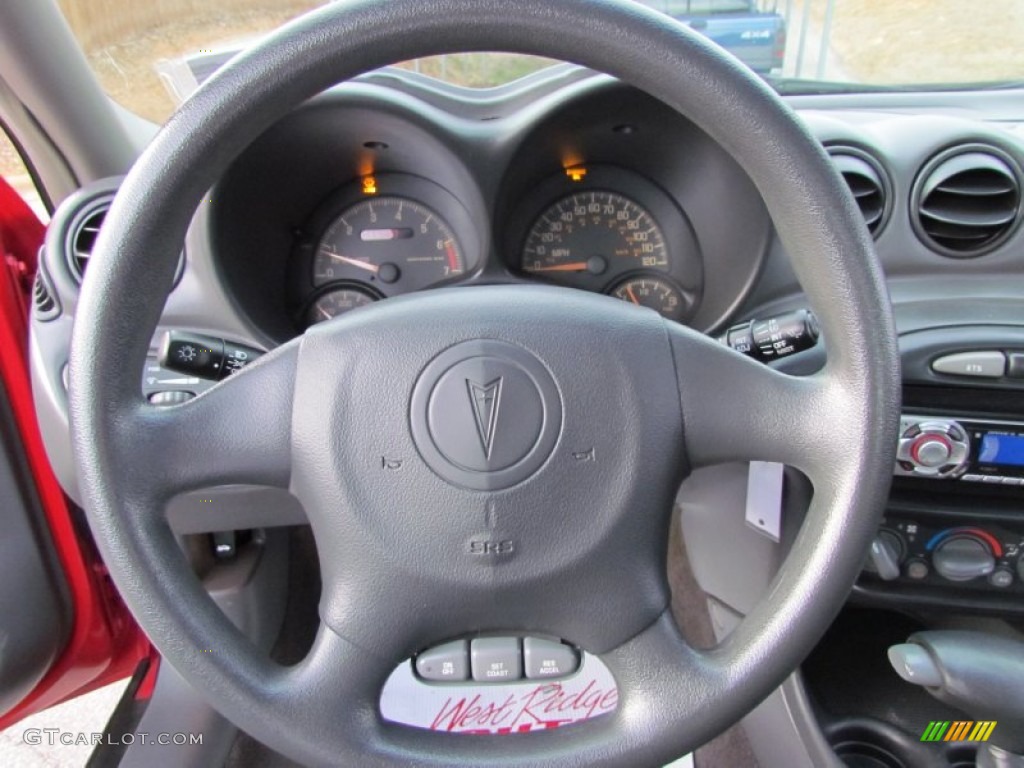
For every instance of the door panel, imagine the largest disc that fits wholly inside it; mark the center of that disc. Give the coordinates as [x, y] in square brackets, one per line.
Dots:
[34, 602]
[63, 628]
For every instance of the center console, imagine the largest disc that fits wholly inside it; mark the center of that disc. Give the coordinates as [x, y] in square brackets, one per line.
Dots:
[953, 533]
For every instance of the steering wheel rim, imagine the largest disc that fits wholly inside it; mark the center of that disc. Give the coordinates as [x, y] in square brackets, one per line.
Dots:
[133, 457]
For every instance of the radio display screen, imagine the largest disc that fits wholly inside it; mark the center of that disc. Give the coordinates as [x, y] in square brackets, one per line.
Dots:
[1007, 450]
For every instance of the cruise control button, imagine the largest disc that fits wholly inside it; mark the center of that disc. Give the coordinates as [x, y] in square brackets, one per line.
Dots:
[986, 364]
[445, 663]
[544, 658]
[496, 659]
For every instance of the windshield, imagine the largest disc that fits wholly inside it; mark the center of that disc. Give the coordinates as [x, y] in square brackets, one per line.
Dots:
[150, 56]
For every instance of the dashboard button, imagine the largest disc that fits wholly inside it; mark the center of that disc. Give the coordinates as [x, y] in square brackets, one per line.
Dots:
[546, 658]
[445, 663]
[987, 364]
[171, 397]
[973, 478]
[917, 569]
[1015, 367]
[496, 659]
[1001, 577]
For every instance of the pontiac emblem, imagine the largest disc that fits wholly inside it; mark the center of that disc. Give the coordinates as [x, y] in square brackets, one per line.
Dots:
[485, 399]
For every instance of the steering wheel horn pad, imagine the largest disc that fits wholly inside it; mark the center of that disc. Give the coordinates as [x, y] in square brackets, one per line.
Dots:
[486, 414]
[333, 416]
[574, 548]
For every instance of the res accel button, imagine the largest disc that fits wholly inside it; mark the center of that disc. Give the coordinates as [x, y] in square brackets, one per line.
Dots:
[986, 364]
[544, 658]
[496, 659]
[445, 663]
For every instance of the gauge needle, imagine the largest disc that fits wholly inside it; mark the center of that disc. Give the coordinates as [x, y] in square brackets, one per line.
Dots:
[349, 260]
[575, 266]
[327, 315]
[632, 296]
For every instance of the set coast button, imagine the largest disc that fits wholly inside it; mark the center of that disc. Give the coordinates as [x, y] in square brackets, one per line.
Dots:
[496, 659]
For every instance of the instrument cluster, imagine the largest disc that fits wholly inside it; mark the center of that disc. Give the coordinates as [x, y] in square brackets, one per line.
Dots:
[602, 229]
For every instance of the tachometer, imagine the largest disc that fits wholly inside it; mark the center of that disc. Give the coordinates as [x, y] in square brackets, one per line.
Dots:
[388, 240]
[591, 232]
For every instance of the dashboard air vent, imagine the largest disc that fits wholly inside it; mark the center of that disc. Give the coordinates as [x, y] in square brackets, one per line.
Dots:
[967, 201]
[866, 181]
[43, 302]
[83, 239]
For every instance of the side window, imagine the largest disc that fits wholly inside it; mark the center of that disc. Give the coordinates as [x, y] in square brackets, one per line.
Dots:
[14, 172]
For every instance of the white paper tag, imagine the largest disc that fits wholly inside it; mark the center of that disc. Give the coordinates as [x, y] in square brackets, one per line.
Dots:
[764, 498]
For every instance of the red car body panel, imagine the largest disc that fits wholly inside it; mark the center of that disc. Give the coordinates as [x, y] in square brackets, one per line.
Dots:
[104, 644]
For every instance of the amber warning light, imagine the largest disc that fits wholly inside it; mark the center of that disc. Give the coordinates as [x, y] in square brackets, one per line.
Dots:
[576, 172]
[369, 185]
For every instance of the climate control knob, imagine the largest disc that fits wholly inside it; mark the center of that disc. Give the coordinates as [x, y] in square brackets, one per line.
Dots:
[962, 558]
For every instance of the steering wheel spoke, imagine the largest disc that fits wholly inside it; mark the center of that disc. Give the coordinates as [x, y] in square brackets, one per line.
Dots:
[237, 432]
[736, 409]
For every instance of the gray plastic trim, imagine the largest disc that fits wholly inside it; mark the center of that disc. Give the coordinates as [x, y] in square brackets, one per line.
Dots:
[252, 590]
[44, 66]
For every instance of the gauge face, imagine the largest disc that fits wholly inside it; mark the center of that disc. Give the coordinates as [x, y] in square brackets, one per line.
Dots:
[593, 232]
[337, 302]
[394, 243]
[654, 292]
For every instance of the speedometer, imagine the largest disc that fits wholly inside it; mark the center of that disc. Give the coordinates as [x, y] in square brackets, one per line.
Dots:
[593, 232]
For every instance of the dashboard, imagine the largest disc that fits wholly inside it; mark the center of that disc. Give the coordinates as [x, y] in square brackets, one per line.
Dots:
[396, 183]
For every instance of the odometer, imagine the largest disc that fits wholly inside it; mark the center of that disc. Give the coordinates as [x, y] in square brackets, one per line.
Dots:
[594, 231]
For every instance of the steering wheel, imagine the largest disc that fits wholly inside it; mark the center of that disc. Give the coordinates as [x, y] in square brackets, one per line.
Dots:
[484, 394]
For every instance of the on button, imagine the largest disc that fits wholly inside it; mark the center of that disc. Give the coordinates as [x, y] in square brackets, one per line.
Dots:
[444, 663]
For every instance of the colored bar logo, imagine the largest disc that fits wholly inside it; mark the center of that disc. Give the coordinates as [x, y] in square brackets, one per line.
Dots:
[958, 730]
